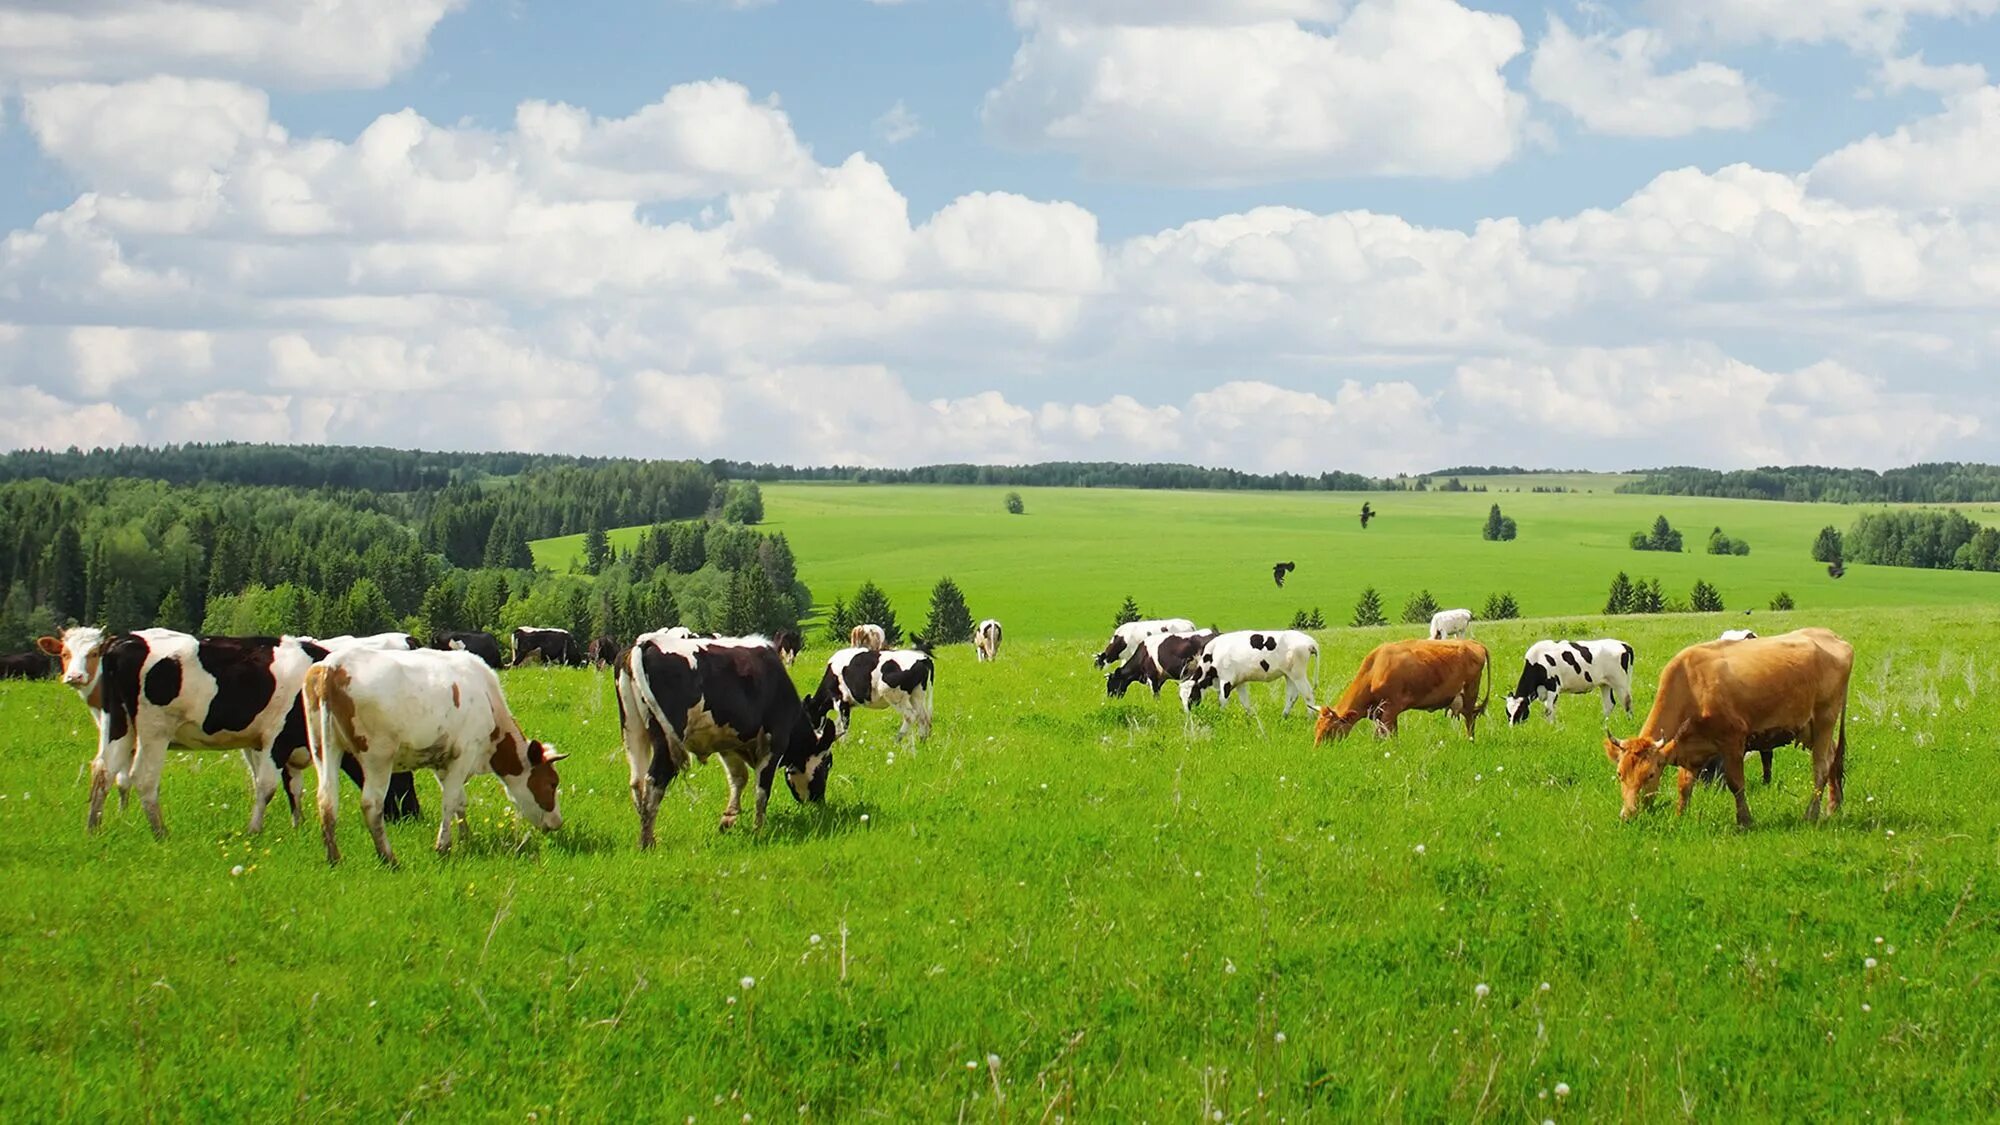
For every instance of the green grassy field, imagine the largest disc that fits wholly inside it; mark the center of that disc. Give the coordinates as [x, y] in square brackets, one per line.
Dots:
[1058, 907]
[1061, 570]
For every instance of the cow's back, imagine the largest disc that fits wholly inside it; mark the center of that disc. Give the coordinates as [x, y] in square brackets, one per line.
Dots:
[1760, 683]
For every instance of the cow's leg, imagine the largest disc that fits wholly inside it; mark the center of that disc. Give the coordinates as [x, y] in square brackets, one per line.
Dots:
[1609, 703]
[1732, 772]
[1689, 775]
[662, 766]
[264, 783]
[766, 775]
[401, 802]
[1237, 692]
[1766, 753]
[289, 774]
[739, 773]
[451, 805]
[924, 714]
[149, 760]
[374, 794]
[1823, 744]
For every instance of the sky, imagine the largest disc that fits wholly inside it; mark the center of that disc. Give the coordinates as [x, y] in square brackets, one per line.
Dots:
[1367, 235]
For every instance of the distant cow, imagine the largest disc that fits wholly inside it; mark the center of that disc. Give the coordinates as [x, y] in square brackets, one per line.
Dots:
[868, 637]
[1554, 668]
[899, 680]
[375, 642]
[790, 643]
[1718, 701]
[1229, 661]
[1157, 660]
[26, 666]
[399, 710]
[1128, 636]
[1449, 623]
[1737, 635]
[1403, 676]
[683, 697]
[986, 640]
[1279, 572]
[550, 646]
[601, 651]
[485, 646]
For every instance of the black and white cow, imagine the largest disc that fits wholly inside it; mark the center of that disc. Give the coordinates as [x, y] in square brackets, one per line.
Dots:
[373, 642]
[790, 642]
[1554, 668]
[897, 679]
[986, 640]
[162, 689]
[550, 646]
[1234, 659]
[26, 666]
[1158, 659]
[689, 697]
[485, 646]
[1127, 636]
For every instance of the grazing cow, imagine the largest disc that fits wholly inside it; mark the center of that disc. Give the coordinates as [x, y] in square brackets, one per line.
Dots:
[1279, 572]
[550, 646]
[1129, 635]
[1719, 701]
[1405, 676]
[867, 636]
[1232, 660]
[1554, 668]
[897, 679]
[1738, 635]
[375, 642]
[790, 643]
[682, 696]
[986, 640]
[485, 646]
[602, 651]
[1449, 623]
[1158, 659]
[400, 710]
[26, 666]
[1367, 513]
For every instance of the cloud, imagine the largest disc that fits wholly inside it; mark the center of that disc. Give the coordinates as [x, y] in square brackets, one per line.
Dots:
[290, 43]
[1186, 96]
[1614, 84]
[1911, 72]
[1951, 159]
[898, 124]
[1866, 25]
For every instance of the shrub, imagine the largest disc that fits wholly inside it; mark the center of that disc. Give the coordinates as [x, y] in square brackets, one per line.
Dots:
[1314, 620]
[1782, 602]
[1014, 505]
[1720, 544]
[1498, 528]
[1368, 611]
[1827, 548]
[1419, 609]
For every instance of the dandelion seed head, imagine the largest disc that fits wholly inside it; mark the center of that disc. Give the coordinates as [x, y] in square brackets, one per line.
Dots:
[1480, 990]
[1562, 1089]
[748, 983]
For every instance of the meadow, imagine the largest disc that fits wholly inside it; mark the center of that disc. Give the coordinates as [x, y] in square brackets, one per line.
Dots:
[1060, 907]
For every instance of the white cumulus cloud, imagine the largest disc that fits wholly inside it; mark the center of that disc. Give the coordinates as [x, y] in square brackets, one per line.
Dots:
[1615, 84]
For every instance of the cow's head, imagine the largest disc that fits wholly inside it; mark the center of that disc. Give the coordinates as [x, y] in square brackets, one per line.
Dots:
[1518, 707]
[1111, 651]
[533, 788]
[79, 649]
[1118, 679]
[1639, 761]
[811, 760]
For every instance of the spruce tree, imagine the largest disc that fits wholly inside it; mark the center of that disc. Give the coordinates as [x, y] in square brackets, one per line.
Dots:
[368, 609]
[950, 622]
[1621, 596]
[1421, 607]
[1368, 611]
[1127, 613]
[871, 607]
[1782, 602]
[1501, 607]
[67, 581]
[596, 549]
[1827, 547]
[839, 622]
[1494, 522]
[1705, 598]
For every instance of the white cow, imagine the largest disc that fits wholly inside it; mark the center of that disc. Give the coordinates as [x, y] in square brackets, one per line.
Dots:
[1738, 635]
[870, 637]
[378, 642]
[986, 639]
[1235, 659]
[1128, 636]
[401, 710]
[1554, 668]
[1448, 623]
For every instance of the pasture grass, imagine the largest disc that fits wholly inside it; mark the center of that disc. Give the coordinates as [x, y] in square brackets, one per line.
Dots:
[1059, 906]
[1061, 570]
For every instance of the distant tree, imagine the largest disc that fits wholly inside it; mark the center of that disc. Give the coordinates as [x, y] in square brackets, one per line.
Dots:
[442, 608]
[1309, 621]
[752, 604]
[66, 573]
[1663, 537]
[1127, 613]
[871, 607]
[745, 504]
[1647, 597]
[1827, 547]
[596, 549]
[1509, 530]
[174, 613]
[1368, 610]
[1501, 607]
[1782, 602]
[1014, 505]
[1704, 598]
[1620, 601]
[687, 549]
[1499, 528]
[950, 622]
[368, 609]
[1421, 607]
[1720, 544]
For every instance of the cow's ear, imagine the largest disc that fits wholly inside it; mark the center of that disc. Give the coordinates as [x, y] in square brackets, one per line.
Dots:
[1611, 748]
[50, 645]
[543, 753]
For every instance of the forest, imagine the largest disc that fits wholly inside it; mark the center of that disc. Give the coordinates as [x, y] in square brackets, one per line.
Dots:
[1940, 483]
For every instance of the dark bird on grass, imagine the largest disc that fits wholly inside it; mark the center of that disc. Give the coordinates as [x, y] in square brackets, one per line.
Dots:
[1279, 571]
[1836, 568]
[1367, 513]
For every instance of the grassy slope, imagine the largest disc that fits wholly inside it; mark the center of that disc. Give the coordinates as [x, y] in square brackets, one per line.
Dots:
[1126, 910]
[1062, 569]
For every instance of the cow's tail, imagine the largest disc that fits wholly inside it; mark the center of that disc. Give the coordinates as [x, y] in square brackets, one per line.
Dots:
[1487, 694]
[320, 737]
[1838, 774]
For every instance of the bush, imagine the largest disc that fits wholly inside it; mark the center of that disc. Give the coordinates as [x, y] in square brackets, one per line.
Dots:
[745, 503]
[1498, 528]
[1127, 613]
[1368, 611]
[1720, 544]
[950, 622]
[1782, 602]
[1501, 607]
[1014, 505]
[1704, 598]
[1419, 609]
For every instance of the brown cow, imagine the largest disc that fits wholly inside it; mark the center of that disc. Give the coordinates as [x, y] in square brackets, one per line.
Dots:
[1723, 698]
[1409, 676]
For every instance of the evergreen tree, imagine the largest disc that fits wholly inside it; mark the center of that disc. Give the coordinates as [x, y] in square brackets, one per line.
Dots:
[1368, 611]
[689, 551]
[596, 549]
[664, 611]
[774, 554]
[1127, 613]
[443, 610]
[1494, 523]
[1647, 597]
[745, 504]
[1509, 529]
[840, 622]
[173, 613]
[1827, 547]
[66, 577]
[950, 622]
[499, 544]
[1501, 607]
[1705, 598]
[1300, 620]
[1621, 596]
[368, 608]
[578, 613]
[1317, 620]
[193, 595]
[519, 556]
[871, 607]
[229, 563]
[1782, 602]
[1421, 607]
[93, 585]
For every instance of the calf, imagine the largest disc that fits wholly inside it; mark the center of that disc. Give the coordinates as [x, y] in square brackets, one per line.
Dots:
[1446, 623]
[1158, 659]
[1554, 668]
[549, 646]
[870, 637]
[26, 666]
[1718, 701]
[483, 645]
[400, 710]
[685, 696]
[1233, 659]
[986, 640]
[1128, 636]
[1405, 676]
[602, 651]
[790, 642]
[899, 680]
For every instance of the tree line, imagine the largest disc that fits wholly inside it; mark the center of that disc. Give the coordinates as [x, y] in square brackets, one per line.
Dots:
[1949, 482]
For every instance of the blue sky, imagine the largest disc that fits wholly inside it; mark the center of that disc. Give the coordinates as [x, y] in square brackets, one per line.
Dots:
[1299, 234]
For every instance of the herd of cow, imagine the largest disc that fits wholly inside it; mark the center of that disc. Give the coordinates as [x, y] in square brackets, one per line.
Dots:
[378, 707]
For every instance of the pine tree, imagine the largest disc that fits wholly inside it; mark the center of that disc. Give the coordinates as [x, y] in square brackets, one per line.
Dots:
[1705, 598]
[1647, 597]
[519, 556]
[1368, 611]
[368, 609]
[739, 612]
[93, 585]
[1421, 607]
[1494, 522]
[1317, 620]
[1621, 596]
[498, 544]
[596, 549]
[1300, 620]
[1501, 607]
[689, 551]
[871, 607]
[1127, 613]
[950, 622]
[1827, 547]
[173, 613]
[839, 622]
[1782, 602]
[67, 580]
